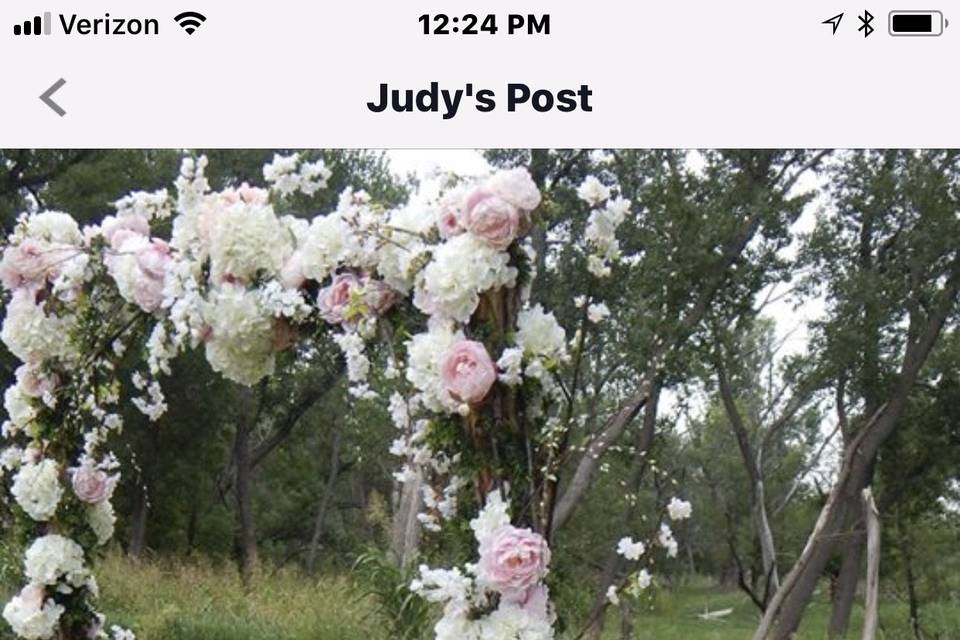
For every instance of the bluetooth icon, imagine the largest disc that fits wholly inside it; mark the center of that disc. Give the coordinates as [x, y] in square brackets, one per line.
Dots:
[866, 27]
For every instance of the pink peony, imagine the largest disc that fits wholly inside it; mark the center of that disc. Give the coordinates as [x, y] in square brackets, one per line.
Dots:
[512, 562]
[467, 372]
[23, 264]
[491, 218]
[448, 223]
[112, 226]
[90, 484]
[333, 300]
[516, 187]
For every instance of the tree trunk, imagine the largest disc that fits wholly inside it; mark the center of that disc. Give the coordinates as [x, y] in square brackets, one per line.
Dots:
[405, 539]
[138, 522]
[906, 551]
[325, 496]
[845, 589]
[768, 549]
[784, 611]
[246, 540]
[872, 615]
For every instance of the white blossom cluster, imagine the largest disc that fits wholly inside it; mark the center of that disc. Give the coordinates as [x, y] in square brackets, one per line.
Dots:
[500, 597]
[606, 215]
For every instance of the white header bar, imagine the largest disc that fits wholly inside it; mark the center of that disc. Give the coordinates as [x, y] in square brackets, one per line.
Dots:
[687, 73]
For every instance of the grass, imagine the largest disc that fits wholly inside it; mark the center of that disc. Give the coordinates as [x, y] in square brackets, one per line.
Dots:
[673, 616]
[170, 600]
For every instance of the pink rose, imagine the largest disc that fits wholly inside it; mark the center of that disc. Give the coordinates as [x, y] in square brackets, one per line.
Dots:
[333, 300]
[516, 187]
[110, 227]
[90, 484]
[148, 272]
[491, 218]
[513, 561]
[467, 372]
[23, 264]
[448, 222]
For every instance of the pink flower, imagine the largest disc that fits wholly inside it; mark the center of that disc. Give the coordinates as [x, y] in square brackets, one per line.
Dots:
[491, 218]
[32, 382]
[128, 224]
[23, 264]
[333, 301]
[448, 222]
[246, 194]
[90, 484]
[141, 265]
[467, 372]
[512, 562]
[536, 602]
[378, 295]
[516, 187]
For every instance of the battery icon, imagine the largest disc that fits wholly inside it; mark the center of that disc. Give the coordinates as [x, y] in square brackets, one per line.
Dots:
[916, 23]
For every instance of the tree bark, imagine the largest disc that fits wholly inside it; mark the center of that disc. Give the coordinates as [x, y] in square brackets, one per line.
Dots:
[872, 614]
[325, 496]
[246, 540]
[138, 522]
[845, 587]
[405, 539]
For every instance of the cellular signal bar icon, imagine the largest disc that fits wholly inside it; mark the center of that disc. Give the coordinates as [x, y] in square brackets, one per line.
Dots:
[37, 26]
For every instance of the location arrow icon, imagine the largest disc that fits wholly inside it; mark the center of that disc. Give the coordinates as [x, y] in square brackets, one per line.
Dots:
[834, 22]
[47, 100]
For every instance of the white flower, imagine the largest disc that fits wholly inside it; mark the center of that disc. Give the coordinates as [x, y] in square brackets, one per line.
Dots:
[493, 516]
[597, 312]
[102, 520]
[592, 191]
[441, 585]
[423, 362]
[55, 227]
[405, 246]
[31, 615]
[667, 541]
[37, 490]
[644, 578]
[461, 269]
[247, 239]
[324, 246]
[598, 267]
[629, 549]
[612, 596]
[31, 334]
[150, 206]
[288, 174]
[516, 187]
[539, 334]
[51, 558]
[19, 407]
[679, 509]
[240, 345]
[510, 365]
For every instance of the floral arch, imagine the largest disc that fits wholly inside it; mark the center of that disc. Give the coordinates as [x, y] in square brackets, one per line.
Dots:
[474, 394]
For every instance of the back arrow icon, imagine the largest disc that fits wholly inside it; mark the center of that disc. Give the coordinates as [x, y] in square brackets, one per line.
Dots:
[47, 100]
[834, 21]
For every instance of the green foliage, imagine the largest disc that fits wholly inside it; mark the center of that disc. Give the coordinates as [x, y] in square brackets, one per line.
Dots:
[380, 578]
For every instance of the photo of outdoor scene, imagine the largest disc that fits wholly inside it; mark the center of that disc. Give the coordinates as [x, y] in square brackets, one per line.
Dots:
[504, 394]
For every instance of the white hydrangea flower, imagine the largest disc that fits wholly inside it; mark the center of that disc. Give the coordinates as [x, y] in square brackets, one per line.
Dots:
[19, 407]
[495, 514]
[679, 509]
[53, 557]
[36, 488]
[247, 239]
[31, 334]
[539, 334]
[55, 227]
[240, 345]
[516, 187]
[31, 615]
[629, 549]
[461, 268]
[644, 579]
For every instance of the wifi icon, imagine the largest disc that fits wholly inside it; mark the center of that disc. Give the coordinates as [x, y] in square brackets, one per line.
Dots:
[190, 21]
